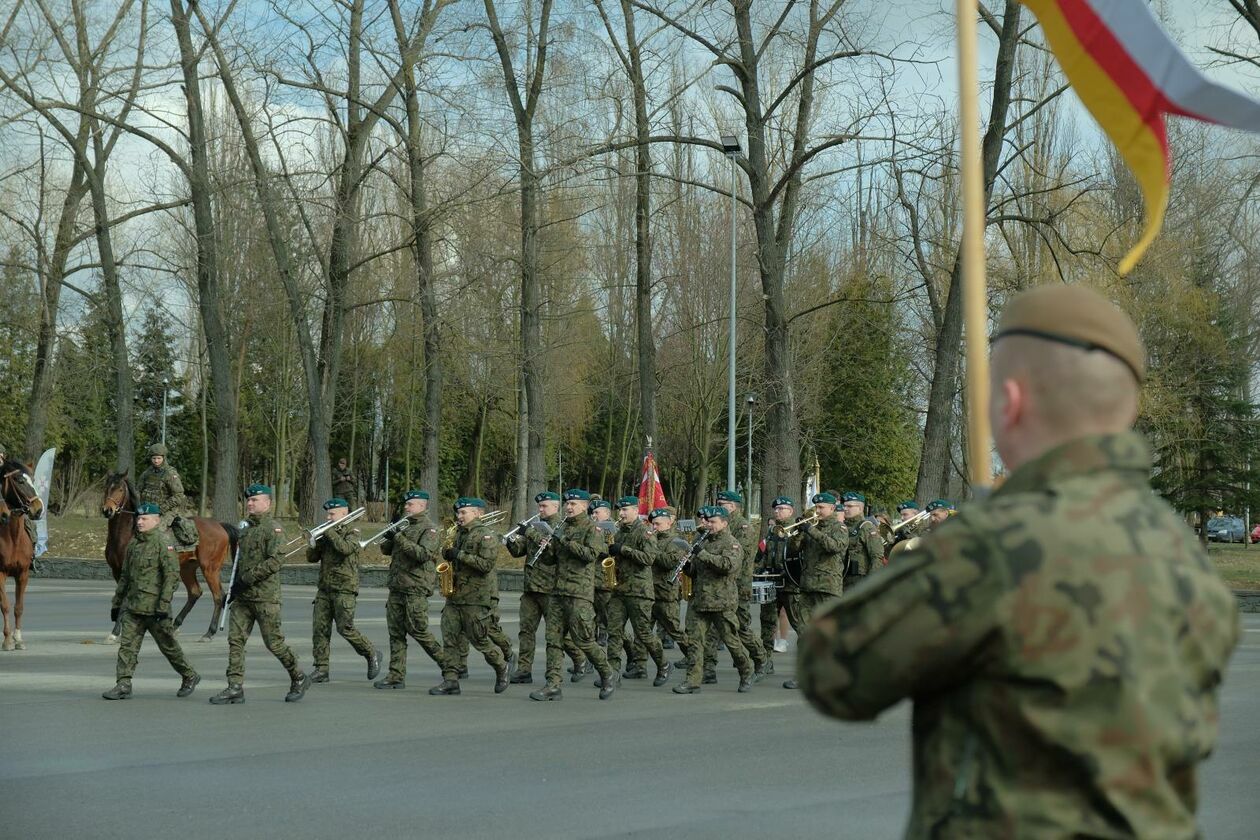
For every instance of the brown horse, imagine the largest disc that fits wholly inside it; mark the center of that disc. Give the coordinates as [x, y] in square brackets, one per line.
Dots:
[216, 545]
[16, 553]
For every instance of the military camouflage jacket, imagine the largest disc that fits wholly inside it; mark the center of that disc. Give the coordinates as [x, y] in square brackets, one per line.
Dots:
[540, 577]
[1063, 642]
[773, 558]
[260, 561]
[337, 553]
[161, 485]
[865, 552]
[665, 559]
[150, 574]
[634, 560]
[822, 549]
[578, 544]
[476, 582]
[414, 552]
[715, 573]
[748, 537]
[344, 483]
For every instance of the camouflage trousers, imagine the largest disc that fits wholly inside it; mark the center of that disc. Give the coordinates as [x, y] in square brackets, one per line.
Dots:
[407, 614]
[335, 607]
[752, 644]
[636, 653]
[789, 600]
[465, 624]
[638, 611]
[665, 611]
[575, 618]
[533, 611]
[811, 603]
[719, 624]
[163, 632]
[241, 625]
[500, 639]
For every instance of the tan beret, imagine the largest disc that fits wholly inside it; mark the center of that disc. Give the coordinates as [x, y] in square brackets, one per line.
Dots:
[1077, 316]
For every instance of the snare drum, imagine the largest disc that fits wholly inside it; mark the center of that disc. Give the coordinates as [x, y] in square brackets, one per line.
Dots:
[763, 592]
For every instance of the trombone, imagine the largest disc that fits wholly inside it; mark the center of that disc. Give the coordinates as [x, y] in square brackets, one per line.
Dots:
[313, 534]
[519, 527]
[784, 531]
[388, 529]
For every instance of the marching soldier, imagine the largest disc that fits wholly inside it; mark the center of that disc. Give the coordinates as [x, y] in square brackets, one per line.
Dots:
[822, 547]
[413, 553]
[344, 483]
[636, 654]
[632, 600]
[578, 546]
[33, 505]
[255, 597]
[746, 535]
[160, 484]
[1063, 640]
[865, 552]
[714, 597]
[540, 579]
[773, 560]
[669, 549]
[337, 553]
[469, 611]
[941, 510]
[150, 575]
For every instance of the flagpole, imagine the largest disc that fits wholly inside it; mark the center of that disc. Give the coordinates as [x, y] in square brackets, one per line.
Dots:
[651, 496]
[975, 304]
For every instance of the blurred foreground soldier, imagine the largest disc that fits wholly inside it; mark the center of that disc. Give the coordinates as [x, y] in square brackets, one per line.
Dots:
[413, 553]
[773, 560]
[865, 552]
[255, 597]
[344, 484]
[33, 507]
[150, 574]
[823, 548]
[161, 485]
[1063, 640]
[632, 550]
[469, 610]
[337, 593]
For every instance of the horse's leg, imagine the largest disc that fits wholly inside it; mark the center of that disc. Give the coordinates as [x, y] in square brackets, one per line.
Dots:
[211, 554]
[18, 602]
[188, 574]
[4, 610]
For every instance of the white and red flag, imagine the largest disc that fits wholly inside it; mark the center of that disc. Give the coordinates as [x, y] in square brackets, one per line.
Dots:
[651, 493]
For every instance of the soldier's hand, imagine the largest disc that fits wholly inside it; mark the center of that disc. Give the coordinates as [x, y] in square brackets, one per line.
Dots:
[235, 591]
[805, 528]
[614, 550]
[162, 615]
[113, 614]
[450, 554]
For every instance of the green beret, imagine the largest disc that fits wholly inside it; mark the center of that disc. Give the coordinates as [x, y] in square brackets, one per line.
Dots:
[157, 449]
[415, 494]
[730, 496]
[659, 512]
[546, 496]
[575, 494]
[469, 501]
[628, 501]
[908, 504]
[851, 496]
[780, 501]
[336, 502]
[714, 511]
[148, 509]
[823, 498]
[599, 503]
[257, 490]
[939, 504]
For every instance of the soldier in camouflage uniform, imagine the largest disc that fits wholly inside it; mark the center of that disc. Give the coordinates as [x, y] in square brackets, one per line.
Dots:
[540, 579]
[636, 654]
[865, 553]
[150, 574]
[344, 484]
[669, 548]
[941, 510]
[1064, 640]
[772, 559]
[632, 600]
[160, 484]
[413, 552]
[255, 597]
[746, 535]
[469, 611]
[578, 546]
[906, 512]
[823, 548]
[714, 597]
[337, 593]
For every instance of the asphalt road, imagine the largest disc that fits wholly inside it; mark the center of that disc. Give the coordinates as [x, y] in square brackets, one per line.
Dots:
[351, 761]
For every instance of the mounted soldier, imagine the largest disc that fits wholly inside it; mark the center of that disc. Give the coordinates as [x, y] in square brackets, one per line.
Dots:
[160, 484]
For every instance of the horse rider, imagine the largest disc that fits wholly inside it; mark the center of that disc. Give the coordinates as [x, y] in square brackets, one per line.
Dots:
[160, 484]
[24, 488]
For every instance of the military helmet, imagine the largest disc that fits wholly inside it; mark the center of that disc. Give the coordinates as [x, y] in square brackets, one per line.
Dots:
[157, 449]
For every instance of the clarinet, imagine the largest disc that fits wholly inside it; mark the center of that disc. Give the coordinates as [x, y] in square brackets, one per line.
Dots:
[688, 557]
[546, 541]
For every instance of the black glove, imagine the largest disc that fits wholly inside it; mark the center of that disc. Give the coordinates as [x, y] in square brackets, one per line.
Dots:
[806, 528]
[113, 614]
[450, 554]
[614, 550]
[161, 615]
[237, 588]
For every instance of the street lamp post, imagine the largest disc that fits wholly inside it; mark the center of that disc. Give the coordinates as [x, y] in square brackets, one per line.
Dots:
[166, 386]
[730, 145]
[748, 486]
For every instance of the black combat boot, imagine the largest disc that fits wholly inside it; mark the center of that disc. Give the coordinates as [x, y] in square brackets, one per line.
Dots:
[523, 678]
[186, 687]
[608, 684]
[790, 684]
[635, 672]
[668, 643]
[446, 687]
[710, 678]
[580, 673]
[374, 664]
[390, 682]
[121, 691]
[686, 688]
[745, 684]
[234, 693]
[768, 668]
[662, 675]
[546, 693]
[297, 687]
[463, 672]
[501, 679]
[318, 675]
[759, 673]
[510, 658]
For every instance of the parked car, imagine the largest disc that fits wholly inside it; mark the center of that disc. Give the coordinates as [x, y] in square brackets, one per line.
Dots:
[1226, 529]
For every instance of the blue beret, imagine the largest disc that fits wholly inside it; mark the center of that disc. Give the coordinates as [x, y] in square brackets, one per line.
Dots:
[659, 512]
[575, 494]
[148, 509]
[469, 501]
[908, 504]
[783, 500]
[628, 501]
[336, 502]
[851, 496]
[415, 494]
[546, 496]
[823, 498]
[257, 490]
[730, 496]
[940, 503]
[714, 511]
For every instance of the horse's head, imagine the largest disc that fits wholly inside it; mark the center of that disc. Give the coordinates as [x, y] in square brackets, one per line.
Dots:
[117, 494]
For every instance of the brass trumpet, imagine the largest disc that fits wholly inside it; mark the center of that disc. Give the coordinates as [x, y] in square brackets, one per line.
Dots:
[312, 535]
[388, 529]
[785, 531]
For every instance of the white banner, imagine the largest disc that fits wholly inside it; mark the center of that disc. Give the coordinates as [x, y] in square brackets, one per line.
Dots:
[43, 481]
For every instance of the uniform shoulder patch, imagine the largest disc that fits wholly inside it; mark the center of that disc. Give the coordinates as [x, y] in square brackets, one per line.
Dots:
[487, 537]
[279, 530]
[431, 531]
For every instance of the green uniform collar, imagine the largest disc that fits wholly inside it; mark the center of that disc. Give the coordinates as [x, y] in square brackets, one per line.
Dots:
[1125, 452]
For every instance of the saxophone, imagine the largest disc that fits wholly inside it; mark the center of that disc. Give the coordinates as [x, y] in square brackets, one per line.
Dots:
[446, 571]
[609, 564]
